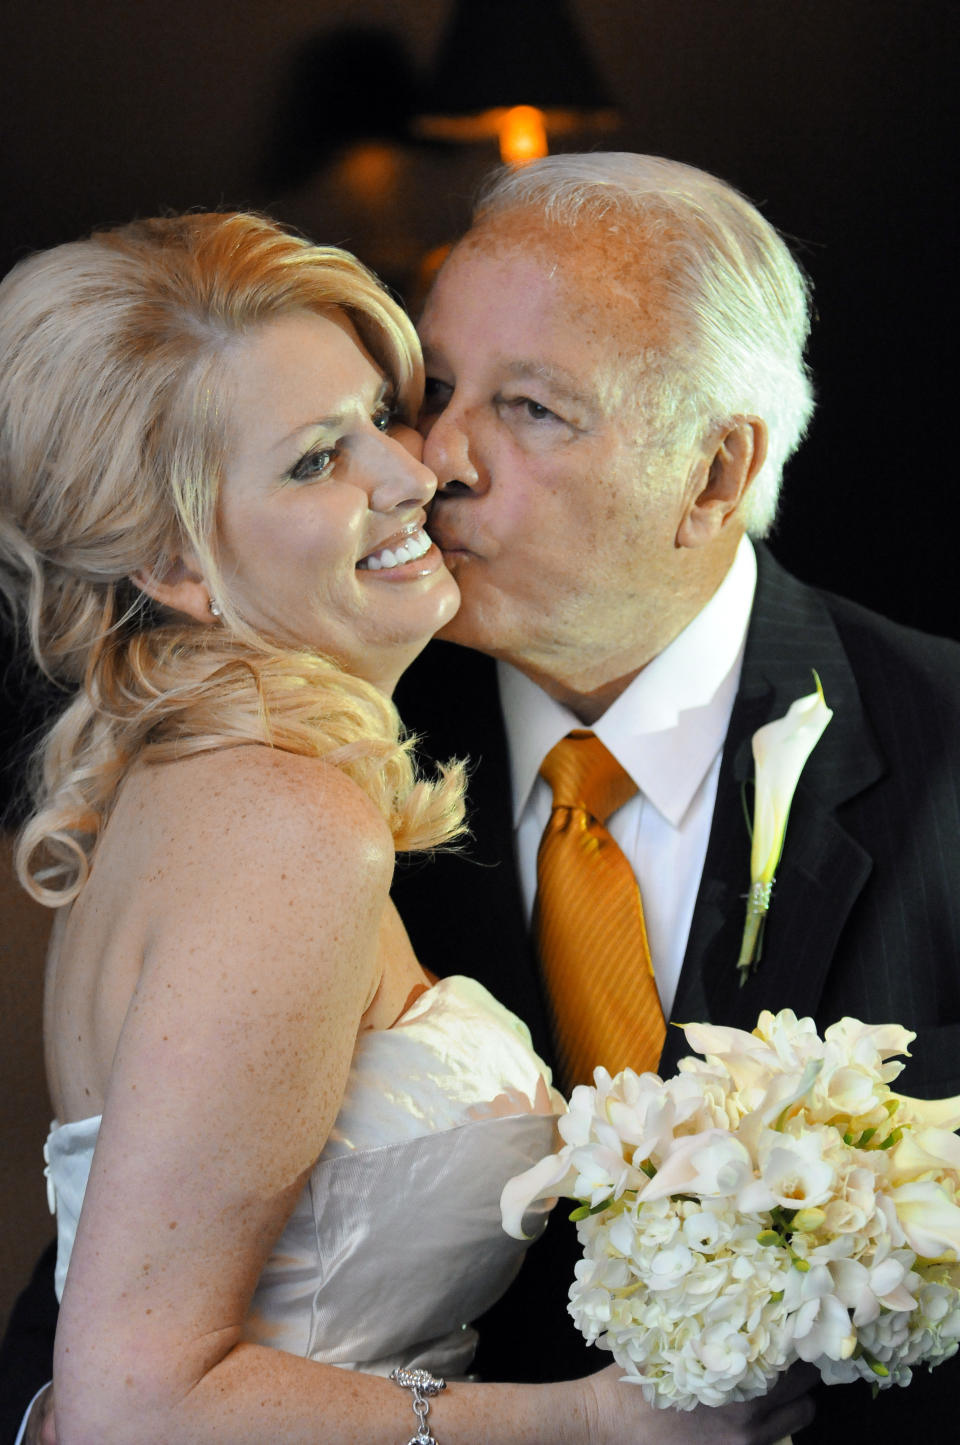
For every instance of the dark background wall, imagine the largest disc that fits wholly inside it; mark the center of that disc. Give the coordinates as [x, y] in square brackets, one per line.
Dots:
[835, 115]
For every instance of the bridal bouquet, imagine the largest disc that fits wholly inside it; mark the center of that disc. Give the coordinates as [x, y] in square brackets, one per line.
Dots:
[776, 1201]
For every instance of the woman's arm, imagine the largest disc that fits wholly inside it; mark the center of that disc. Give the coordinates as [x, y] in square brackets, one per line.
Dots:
[261, 957]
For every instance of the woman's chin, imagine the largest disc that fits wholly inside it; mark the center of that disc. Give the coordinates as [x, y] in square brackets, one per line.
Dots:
[441, 603]
[451, 602]
[385, 669]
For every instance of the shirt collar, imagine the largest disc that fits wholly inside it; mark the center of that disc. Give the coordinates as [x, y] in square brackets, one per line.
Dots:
[669, 725]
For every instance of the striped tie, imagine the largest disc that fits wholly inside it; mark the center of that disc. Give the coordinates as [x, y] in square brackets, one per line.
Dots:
[589, 923]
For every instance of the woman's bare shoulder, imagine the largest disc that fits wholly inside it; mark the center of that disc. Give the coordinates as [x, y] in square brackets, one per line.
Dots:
[251, 855]
[234, 799]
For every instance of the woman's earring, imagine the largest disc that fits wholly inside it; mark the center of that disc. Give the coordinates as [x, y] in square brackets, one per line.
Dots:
[214, 608]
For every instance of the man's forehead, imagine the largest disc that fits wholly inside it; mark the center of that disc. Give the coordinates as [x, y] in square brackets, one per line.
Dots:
[605, 278]
[598, 324]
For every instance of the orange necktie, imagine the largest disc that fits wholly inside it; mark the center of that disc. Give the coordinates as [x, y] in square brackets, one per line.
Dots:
[589, 921]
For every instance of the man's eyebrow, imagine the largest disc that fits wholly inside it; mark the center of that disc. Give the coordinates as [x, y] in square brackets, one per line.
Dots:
[560, 382]
[555, 377]
[431, 354]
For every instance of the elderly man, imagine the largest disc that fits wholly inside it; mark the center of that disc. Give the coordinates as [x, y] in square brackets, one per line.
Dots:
[615, 381]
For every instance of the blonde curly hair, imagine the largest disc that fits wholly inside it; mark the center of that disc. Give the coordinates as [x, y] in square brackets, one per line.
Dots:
[112, 442]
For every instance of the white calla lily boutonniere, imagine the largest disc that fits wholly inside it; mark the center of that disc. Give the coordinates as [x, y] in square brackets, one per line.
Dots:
[780, 751]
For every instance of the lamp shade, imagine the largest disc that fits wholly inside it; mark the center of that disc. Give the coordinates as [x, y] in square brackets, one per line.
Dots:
[497, 54]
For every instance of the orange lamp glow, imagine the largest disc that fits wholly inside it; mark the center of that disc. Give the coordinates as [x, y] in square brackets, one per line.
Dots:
[522, 135]
[369, 171]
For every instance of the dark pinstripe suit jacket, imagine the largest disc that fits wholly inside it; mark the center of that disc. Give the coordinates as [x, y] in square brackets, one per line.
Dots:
[865, 918]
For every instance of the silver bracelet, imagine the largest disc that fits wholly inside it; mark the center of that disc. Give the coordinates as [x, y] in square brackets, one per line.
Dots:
[421, 1385]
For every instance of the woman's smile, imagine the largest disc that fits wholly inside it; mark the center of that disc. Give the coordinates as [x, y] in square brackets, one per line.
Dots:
[324, 500]
[410, 545]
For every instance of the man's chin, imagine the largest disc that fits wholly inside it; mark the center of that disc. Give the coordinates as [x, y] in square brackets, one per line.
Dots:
[479, 622]
[455, 631]
[465, 630]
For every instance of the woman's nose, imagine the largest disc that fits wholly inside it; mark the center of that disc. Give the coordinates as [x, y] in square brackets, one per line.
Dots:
[403, 479]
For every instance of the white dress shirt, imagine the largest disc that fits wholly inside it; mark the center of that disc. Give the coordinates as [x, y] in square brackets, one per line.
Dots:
[667, 730]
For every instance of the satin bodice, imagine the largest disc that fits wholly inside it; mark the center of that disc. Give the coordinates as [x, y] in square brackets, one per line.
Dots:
[395, 1243]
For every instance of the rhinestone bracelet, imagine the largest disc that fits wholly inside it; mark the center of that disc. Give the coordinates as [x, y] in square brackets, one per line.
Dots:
[421, 1385]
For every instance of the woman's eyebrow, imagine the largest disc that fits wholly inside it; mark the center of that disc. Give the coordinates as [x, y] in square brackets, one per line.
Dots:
[336, 421]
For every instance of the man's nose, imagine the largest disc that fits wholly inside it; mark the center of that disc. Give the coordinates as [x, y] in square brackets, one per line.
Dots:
[450, 449]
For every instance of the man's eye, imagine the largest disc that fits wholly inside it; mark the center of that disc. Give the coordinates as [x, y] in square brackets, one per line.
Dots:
[531, 410]
[436, 394]
[313, 465]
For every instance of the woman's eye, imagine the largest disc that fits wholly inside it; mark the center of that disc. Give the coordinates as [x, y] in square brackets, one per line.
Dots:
[313, 465]
[384, 416]
[536, 411]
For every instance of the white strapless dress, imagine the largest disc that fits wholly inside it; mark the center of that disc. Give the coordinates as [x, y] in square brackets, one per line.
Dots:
[395, 1244]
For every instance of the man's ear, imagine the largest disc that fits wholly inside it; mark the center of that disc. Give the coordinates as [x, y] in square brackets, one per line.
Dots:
[721, 478]
[180, 586]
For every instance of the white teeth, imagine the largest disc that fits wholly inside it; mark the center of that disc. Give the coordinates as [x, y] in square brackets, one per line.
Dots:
[414, 546]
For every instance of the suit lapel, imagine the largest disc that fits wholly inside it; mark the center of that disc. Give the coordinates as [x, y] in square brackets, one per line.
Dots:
[823, 869]
[464, 911]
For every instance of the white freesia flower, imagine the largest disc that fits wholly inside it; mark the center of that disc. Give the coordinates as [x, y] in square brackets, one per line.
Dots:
[793, 1174]
[709, 1165]
[851, 1211]
[869, 1045]
[780, 1045]
[775, 1202]
[780, 750]
[865, 1290]
[822, 1329]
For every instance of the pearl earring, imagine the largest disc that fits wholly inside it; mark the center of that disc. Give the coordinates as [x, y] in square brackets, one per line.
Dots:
[214, 608]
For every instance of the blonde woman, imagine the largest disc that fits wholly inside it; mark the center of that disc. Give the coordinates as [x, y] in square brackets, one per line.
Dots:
[279, 1147]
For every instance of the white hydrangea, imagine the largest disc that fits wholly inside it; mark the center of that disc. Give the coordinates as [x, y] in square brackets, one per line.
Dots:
[686, 1299]
[773, 1201]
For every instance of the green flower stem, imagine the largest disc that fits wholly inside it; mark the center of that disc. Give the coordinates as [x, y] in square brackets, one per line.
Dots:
[751, 947]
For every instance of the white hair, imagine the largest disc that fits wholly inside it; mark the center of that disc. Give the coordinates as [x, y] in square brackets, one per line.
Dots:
[740, 302]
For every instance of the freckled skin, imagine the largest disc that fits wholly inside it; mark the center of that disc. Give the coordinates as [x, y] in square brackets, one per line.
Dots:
[223, 995]
[581, 544]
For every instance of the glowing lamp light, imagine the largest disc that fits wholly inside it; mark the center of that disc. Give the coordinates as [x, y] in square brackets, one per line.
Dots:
[523, 135]
[518, 70]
